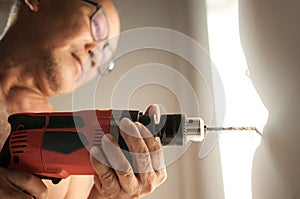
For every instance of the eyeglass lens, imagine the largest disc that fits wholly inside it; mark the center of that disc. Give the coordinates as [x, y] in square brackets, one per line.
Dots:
[99, 25]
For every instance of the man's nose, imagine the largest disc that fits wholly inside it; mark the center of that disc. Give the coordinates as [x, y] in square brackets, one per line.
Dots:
[90, 46]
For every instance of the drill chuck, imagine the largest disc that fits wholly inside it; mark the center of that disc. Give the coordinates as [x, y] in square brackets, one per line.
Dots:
[194, 130]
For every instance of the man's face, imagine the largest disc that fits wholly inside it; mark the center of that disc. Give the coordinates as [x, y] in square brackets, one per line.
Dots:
[63, 42]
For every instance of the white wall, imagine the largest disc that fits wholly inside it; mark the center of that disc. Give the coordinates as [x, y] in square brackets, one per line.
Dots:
[270, 36]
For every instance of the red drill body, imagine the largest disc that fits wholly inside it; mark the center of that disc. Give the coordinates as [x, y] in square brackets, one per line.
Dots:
[56, 145]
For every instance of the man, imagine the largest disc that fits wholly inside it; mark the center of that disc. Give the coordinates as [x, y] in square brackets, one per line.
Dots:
[42, 55]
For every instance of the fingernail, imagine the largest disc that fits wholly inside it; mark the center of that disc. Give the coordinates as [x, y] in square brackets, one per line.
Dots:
[125, 122]
[155, 110]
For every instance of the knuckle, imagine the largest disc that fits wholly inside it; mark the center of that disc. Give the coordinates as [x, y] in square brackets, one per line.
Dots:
[142, 149]
[154, 146]
[142, 163]
[29, 177]
[129, 192]
[149, 184]
[150, 188]
[127, 176]
[151, 178]
[124, 167]
[143, 157]
[107, 178]
[130, 189]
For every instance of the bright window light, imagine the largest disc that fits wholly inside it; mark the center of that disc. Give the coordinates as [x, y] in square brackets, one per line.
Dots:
[243, 105]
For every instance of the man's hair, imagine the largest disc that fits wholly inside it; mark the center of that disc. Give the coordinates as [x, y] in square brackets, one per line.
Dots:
[13, 14]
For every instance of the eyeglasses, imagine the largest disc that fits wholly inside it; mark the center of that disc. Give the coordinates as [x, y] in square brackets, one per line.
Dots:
[100, 30]
[98, 22]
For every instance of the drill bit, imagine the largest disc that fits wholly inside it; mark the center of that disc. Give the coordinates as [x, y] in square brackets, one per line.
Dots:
[232, 129]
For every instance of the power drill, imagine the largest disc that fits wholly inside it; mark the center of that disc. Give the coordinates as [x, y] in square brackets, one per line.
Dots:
[56, 145]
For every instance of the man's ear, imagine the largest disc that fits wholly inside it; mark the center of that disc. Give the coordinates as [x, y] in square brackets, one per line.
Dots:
[33, 5]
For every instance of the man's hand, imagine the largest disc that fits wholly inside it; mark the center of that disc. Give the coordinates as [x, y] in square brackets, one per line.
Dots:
[21, 185]
[118, 178]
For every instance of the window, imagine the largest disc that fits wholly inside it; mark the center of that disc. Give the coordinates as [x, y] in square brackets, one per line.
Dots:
[243, 105]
